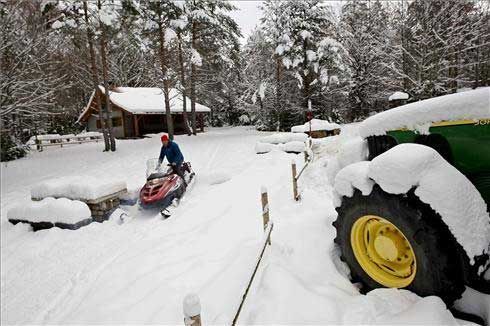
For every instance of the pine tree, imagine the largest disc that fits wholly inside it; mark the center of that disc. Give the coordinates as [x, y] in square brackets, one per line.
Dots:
[363, 36]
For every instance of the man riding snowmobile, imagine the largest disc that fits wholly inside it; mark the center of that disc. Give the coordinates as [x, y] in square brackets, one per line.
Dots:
[174, 156]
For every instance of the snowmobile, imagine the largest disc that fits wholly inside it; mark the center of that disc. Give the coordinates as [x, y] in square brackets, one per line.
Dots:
[164, 188]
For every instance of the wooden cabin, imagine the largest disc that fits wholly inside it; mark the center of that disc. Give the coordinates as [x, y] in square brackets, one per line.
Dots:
[140, 110]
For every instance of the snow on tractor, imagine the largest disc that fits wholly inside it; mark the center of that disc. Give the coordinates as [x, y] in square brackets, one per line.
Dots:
[412, 195]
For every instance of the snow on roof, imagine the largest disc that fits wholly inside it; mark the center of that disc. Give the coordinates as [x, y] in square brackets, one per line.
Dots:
[316, 125]
[141, 100]
[470, 105]
[147, 100]
[398, 96]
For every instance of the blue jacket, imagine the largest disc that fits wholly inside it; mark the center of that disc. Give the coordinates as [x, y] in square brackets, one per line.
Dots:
[172, 152]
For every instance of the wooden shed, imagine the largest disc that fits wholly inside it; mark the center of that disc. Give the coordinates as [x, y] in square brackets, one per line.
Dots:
[140, 110]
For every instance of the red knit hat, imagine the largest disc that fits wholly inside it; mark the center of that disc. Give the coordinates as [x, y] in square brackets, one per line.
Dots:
[164, 137]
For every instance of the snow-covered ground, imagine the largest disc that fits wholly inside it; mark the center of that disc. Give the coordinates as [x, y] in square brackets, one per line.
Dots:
[140, 271]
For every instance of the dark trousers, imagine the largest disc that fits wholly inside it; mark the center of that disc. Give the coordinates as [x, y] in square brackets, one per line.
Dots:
[179, 170]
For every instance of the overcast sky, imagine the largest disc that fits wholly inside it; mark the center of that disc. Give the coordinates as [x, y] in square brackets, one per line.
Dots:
[247, 15]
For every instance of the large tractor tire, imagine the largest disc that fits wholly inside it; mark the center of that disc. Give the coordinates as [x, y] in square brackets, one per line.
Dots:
[397, 241]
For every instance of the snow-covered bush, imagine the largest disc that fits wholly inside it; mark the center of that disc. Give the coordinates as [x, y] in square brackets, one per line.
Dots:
[10, 150]
[244, 120]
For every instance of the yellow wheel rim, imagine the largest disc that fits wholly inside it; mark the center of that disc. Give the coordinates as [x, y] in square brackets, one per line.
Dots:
[383, 251]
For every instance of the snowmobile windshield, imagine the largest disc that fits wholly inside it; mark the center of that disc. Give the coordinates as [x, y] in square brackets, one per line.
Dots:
[151, 167]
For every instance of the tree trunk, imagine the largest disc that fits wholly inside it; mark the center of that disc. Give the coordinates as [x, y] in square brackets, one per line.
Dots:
[278, 92]
[108, 114]
[166, 81]
[95, 78]
[182, 81]
[193, 82]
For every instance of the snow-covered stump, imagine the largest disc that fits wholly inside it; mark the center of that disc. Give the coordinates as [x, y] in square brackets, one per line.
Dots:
[192, 310]
[295, 181]
[265, 209]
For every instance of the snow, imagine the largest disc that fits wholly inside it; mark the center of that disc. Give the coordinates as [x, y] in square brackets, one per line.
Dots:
[77, 187]
[285, 137]
[290, 147]
[397, 307]
[196, 58]
[140, 271]
[51, 210]
[294, 146]
[261, 148]
[262, 88]
[316, 125]
[191, 305]
[169, 35]
[470, 105]
[437, 183]
[57, 24]
[147, 100]
[179, 23]
[108, 15]
[398, 96]
[474, 302]
[244, 119]
[352, 177]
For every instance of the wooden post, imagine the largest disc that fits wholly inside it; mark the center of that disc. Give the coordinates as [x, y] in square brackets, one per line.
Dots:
[201, 121]
[136, 126]
[295, 181]
[192, 310]
[265, 209]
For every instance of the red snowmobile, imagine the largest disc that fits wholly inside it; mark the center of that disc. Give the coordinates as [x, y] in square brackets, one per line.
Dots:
[164, 188]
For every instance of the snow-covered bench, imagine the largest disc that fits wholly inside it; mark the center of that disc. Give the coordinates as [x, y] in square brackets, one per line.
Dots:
[100, 195]
[51, 212]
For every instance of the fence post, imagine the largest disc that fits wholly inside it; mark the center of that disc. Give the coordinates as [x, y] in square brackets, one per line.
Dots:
[295, 181]
[192, 310]
[265, 209]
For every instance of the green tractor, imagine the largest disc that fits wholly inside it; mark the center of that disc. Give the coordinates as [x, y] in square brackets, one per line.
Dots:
[413, 206]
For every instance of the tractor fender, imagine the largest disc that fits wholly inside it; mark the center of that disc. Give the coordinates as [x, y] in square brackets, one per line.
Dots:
[421, 169]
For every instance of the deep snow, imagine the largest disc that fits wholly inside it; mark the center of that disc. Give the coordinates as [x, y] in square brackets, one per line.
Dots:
[140, 271]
